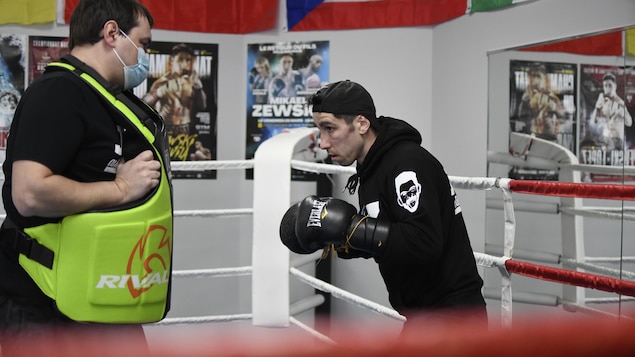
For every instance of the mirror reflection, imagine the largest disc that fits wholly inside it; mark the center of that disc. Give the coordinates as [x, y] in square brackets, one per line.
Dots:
[563, 112]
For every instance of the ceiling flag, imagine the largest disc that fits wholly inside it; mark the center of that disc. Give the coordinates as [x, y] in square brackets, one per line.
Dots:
[609, 44]
[207, 16]
[297, 10]
[488, 5]
[27, 12]
[315, 15]
[630, 42]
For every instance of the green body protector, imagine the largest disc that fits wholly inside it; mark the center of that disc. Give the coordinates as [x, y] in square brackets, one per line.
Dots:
[114, 266]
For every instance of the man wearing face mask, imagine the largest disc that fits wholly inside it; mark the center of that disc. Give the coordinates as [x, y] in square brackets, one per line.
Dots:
[87, 241]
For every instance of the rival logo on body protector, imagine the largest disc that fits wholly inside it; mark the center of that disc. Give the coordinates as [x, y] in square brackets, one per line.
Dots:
[151, 256]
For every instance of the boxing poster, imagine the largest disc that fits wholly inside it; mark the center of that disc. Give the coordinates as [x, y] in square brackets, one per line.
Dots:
[182, 86]
[13, 52]
[280, 78]
[543, 103]
[44, 50]
[607, 106]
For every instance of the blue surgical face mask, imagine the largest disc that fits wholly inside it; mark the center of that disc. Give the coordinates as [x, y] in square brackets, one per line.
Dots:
[136, 74]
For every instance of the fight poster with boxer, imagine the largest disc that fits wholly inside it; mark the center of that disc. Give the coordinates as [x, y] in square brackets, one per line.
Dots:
[543, 103]
[44, 50]
[181, 86]
[13, 53]
[607, 106]
[280, 78]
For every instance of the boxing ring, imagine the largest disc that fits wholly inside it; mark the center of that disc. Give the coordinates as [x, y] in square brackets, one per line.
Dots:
[273, 266]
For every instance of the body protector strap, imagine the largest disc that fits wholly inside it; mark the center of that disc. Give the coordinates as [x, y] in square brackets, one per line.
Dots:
[113, 266]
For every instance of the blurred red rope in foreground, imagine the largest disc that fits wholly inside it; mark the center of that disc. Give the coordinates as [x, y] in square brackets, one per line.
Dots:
[571, 277]
[538, 335]
[569, 189]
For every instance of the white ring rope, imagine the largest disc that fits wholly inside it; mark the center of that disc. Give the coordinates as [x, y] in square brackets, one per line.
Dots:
[345, 295]
[609, 300]
[613, 209]
[615, 260]
[599, 269]
[202, 319]
[601, 169]
[311, 331]
[468, 183]
[570, 306]
[219, 272]
[595, 212]
[214, 212]
[211, 165]
[322, 168]
[553, 258]
[490, 261]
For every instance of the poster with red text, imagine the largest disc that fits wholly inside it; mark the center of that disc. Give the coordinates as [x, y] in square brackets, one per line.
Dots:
[44, 50]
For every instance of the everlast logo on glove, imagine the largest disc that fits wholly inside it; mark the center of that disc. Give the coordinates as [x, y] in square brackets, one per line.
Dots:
[322, 221]
[317, 214]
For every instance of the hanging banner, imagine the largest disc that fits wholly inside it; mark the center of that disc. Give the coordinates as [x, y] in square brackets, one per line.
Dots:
[13, 49]
[318, 15]
[607, 104]
[543, 103]
[206, 16]
[280, 79]
[182, 86]
[27, 12]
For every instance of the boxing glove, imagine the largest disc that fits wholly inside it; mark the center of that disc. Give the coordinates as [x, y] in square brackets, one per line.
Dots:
[287, 231]
[277, 86]
[368, 234]
[253, 73]
[324, 221]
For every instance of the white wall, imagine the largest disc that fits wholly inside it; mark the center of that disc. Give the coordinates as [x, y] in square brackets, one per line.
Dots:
[434, 77]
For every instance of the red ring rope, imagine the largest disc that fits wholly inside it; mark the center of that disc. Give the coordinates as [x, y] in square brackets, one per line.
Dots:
[579, 190]
[571, 277]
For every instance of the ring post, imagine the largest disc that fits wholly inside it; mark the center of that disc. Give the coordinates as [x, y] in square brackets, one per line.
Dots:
[272, 198]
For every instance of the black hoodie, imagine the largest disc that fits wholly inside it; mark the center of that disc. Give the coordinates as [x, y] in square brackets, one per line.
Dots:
[429, 262]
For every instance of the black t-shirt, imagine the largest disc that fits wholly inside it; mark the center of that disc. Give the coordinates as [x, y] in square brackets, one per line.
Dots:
[64, 124]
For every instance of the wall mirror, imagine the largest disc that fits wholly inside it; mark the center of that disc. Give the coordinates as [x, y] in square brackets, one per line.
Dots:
[562, 112]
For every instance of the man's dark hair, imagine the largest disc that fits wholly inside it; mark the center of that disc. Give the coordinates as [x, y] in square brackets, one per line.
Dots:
[89, 17]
